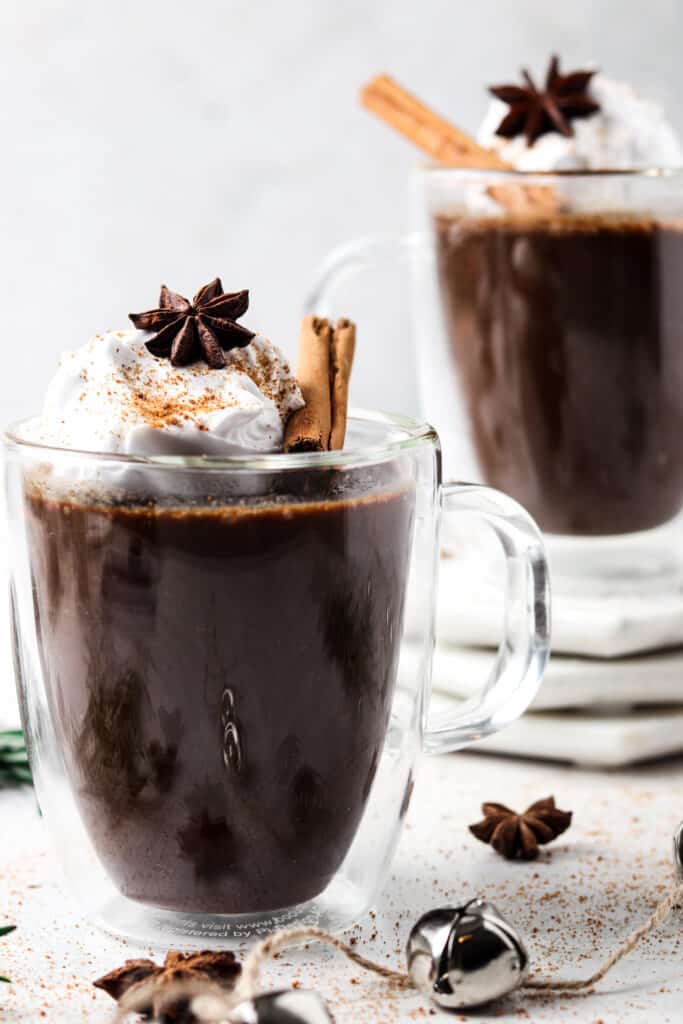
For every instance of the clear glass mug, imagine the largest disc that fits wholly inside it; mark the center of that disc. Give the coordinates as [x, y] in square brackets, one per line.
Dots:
[548, 323]
[224, 670]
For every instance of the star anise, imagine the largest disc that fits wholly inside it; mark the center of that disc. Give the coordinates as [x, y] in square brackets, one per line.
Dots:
[201, 329]
[153, 982]
[519, 835]
[534, 111]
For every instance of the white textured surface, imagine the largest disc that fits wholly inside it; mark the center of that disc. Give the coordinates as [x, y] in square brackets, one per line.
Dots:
[584, 894]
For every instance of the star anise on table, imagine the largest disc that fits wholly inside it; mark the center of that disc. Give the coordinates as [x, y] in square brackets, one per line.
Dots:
[535, 111]
[202, 329]
[154, 983]
[519, 835]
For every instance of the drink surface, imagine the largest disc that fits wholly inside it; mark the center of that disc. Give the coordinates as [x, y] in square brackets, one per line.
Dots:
[568, 339]
[221, 682]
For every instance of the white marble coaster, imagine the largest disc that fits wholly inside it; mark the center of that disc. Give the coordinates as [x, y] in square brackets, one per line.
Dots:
[603, 624]
[571, 682]
[586, 739]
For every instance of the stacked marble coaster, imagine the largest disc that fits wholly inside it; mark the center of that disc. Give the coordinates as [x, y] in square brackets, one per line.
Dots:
[613, 691]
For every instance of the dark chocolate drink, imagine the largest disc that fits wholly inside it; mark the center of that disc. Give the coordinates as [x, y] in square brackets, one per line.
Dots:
[568, 339]
[221, 678]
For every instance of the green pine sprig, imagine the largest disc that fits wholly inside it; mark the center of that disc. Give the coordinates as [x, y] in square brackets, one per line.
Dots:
[5, 929]
[14, 767]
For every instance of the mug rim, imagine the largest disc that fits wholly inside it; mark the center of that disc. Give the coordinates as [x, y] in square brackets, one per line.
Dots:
[513, 174]
[417, 433]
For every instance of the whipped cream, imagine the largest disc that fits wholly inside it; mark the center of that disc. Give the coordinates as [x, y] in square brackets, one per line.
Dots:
[112, 395]
[627, 133]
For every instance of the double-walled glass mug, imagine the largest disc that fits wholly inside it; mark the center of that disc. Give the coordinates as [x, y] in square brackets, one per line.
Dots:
[224, 670]
[549, 339]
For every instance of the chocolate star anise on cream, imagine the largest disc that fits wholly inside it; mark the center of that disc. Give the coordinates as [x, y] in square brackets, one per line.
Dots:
[155, 983]
[202, 329]
[519, 835]
[535, 111]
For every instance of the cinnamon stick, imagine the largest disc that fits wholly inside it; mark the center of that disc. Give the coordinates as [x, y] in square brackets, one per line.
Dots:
[308, 429]
[525, 199]
[343, 349]
[452, 147]
[439, 138]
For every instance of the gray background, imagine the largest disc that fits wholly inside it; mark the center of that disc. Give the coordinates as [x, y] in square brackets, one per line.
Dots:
[175, 140]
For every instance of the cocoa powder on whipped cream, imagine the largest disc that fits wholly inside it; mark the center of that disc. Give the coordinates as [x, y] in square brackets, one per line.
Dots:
[113, 395]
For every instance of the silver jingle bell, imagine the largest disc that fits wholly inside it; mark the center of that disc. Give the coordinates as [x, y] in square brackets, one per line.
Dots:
[291, 1006]
[465, 956]
[678, 852]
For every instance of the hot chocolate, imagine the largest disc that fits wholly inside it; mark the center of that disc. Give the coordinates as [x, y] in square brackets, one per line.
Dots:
[220, 678]
[219, 642]
[567, 334]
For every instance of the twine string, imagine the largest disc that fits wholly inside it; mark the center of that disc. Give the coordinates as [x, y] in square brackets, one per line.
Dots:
[211, 1005]
[247, 985]
[249, 978]
[657, 917]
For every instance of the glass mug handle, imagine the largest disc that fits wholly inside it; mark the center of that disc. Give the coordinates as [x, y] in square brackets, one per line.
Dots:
[524, 648]
[358, 255]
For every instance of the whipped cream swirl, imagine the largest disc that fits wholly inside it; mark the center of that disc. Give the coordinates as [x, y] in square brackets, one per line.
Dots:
[113, 396]
[627, 133]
